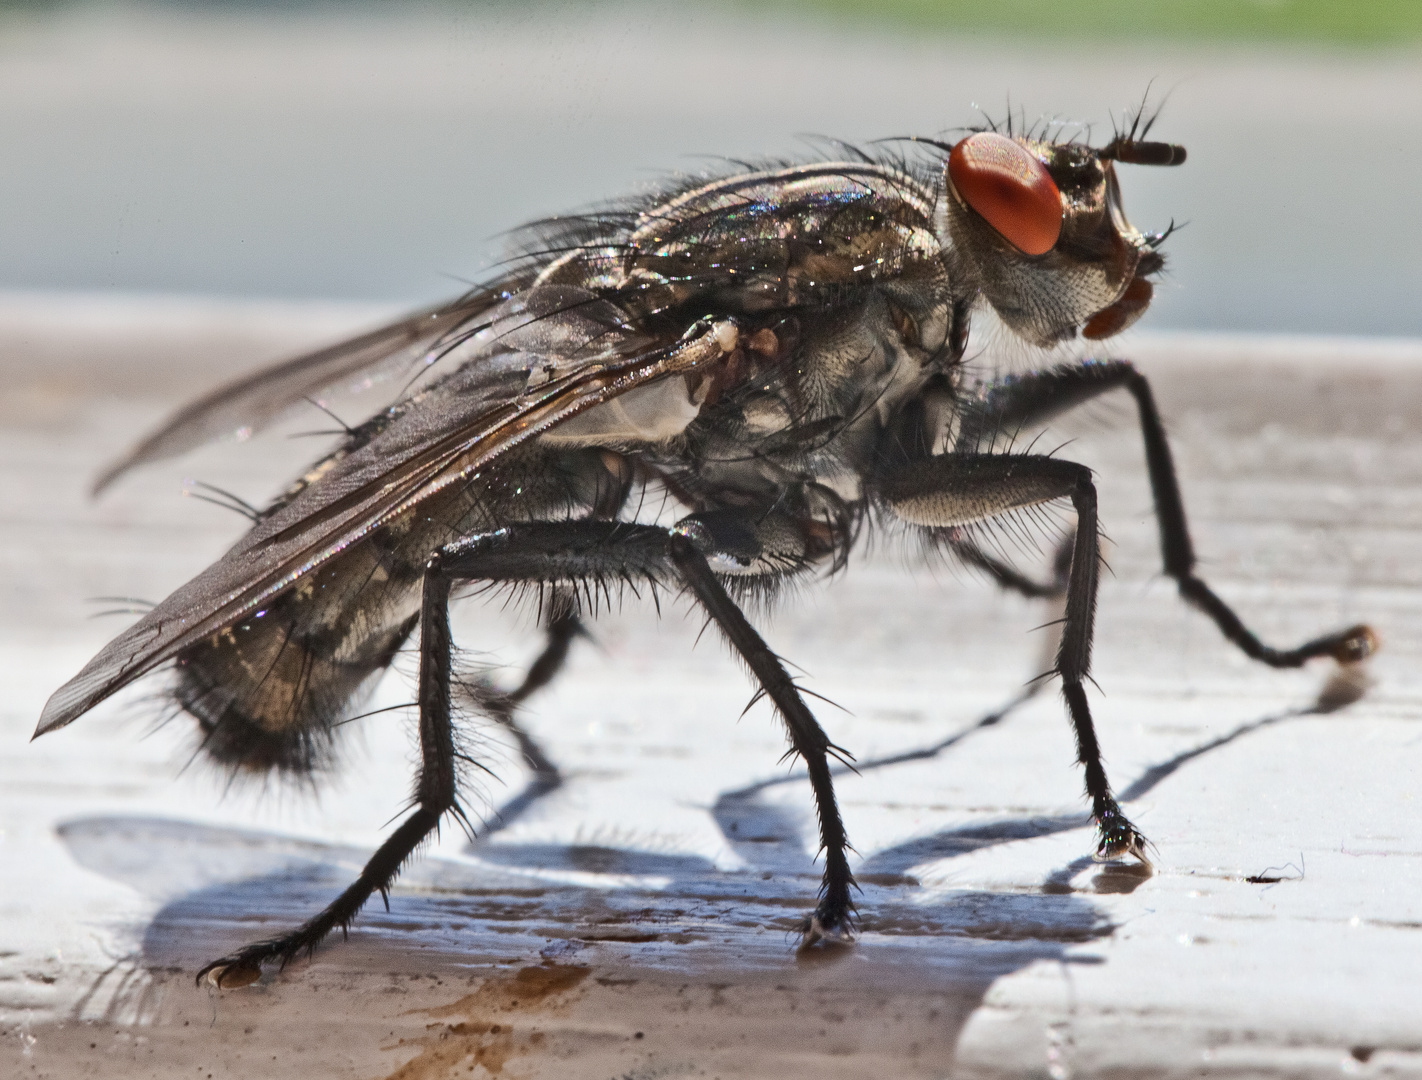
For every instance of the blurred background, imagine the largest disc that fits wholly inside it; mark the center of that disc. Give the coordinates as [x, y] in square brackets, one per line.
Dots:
[377, 151]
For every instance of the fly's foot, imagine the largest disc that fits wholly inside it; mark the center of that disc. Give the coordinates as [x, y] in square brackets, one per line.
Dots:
[1119, 838]
[832, 924]
[1356, 644]
[1351, 678]
[244, 967]
[231, 972]
[813, 931]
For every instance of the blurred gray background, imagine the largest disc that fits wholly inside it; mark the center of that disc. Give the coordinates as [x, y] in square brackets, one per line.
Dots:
[377, 152]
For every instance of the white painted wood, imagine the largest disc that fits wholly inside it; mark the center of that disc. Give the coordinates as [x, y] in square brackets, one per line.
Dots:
[658, 891]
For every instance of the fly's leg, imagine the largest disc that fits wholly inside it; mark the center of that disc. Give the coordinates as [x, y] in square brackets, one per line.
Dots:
[563, 627]
[954, 489]
[1035, 398]
[435, 795]
[1013, 580]
[1009, 577]
[597, 554]
[1118, 836]
[592, 556]
[833, 916]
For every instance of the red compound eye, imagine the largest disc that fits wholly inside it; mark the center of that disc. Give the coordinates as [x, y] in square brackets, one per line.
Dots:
[1010, 188]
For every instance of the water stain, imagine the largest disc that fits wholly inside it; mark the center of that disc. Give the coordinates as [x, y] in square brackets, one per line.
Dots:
[526, 987]
[479, 1039]
[464, 1048]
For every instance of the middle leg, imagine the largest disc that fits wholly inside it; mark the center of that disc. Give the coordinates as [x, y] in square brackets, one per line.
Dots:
[563, 626]
[600, 553]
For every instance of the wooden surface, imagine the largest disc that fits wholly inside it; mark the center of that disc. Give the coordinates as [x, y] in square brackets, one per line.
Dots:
[639, 922]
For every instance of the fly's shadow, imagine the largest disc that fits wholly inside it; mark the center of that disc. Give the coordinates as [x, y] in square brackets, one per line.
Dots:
[528, 898]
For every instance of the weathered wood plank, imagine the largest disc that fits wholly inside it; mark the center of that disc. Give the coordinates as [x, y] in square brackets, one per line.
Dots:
[657, 892]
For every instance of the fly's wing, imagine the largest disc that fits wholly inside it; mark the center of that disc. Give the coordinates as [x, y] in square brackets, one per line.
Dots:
[710, 219]
[250, 403]
[443, 436]
[744, 247]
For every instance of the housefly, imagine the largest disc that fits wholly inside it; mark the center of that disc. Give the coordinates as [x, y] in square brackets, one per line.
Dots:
[779, 351]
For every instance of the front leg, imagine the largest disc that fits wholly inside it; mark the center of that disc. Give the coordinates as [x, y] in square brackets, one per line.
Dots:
[1034, 398]
[959, 489]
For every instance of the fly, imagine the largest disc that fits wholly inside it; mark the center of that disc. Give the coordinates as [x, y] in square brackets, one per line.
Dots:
[780, 351]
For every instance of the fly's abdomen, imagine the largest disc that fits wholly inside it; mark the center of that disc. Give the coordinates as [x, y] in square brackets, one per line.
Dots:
[268, 692]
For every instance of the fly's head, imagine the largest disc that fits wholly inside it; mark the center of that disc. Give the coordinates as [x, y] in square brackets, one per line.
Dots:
[1040, 227]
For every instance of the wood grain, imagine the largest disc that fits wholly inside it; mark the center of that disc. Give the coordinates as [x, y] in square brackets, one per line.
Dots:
[639, 921]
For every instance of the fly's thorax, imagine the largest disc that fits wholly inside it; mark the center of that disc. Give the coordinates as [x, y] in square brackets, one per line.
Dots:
[860, 364]
[814, 415]
[764, 240]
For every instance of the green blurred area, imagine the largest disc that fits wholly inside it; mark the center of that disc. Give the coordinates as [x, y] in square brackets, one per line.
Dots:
[1355, 23]
[1349, 22]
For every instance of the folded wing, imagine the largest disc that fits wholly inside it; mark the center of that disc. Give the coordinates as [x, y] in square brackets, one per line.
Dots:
[443, 436]
[252, 402]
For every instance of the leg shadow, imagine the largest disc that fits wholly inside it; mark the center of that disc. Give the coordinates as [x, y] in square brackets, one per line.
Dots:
[220, 887]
